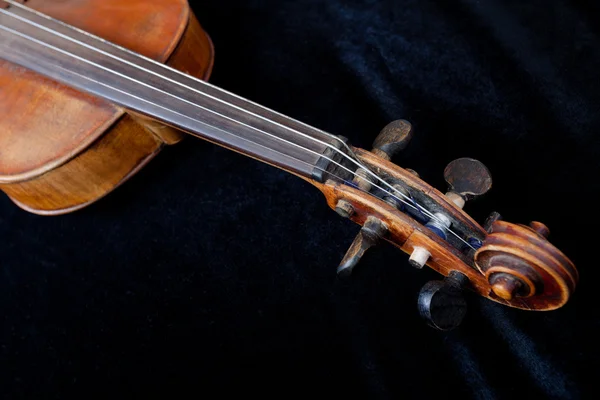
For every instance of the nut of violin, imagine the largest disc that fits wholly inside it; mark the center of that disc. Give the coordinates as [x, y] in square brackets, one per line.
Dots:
[540, 228]
[393, 138]
[419, 257]
[467, 178]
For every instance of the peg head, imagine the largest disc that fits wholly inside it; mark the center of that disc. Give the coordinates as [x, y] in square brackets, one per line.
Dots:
[442, 304]
[419, 257]
[392, 139]
[368, 237]
[468, 178]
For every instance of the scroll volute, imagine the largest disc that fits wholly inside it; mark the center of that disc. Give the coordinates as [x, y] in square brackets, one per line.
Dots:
[524, 269]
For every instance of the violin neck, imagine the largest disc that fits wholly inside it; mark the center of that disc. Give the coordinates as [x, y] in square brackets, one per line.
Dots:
[144, 86]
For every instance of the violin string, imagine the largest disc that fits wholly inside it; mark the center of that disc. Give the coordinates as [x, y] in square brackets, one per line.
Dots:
[380, 197]
[180, 99]
[195, 120]
[175, 71]
[51, 31]
[78, 42]
[240, 137]
[410, 203]
[354, 160]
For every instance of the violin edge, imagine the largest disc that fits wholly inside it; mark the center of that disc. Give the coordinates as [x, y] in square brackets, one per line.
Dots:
[117, 154]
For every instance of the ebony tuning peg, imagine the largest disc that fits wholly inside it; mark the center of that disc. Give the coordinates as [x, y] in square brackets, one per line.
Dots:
[392, 139]
[467, 179]
[368, 237]
[442, 304]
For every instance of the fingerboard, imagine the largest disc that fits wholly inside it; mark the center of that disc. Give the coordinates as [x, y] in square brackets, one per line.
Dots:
[93, 65]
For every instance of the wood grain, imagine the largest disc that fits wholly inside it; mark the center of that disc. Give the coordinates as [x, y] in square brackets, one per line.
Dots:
[122, 151]
[45, 124]
[61, 150]
[95, 66]
[383, 166]
[519, 261]
[558, 278]
[49, 128]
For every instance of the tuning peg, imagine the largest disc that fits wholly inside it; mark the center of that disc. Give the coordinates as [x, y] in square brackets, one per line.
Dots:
[442, 304]
[419, 257]
[467, 179]
[368, 237]
[506, 285]
[393, 138]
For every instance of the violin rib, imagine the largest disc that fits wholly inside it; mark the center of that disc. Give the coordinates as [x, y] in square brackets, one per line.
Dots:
[65, 149]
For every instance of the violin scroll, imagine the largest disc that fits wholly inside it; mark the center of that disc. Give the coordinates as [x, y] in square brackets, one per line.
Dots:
[521, 265]
[511, 264]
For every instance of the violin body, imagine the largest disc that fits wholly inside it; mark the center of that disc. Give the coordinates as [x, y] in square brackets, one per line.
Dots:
[63, 149]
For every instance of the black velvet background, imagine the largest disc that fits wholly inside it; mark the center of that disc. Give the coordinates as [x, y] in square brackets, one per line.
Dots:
[212, 272]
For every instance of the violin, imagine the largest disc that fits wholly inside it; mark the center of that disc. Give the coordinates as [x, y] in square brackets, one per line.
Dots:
[93, 90]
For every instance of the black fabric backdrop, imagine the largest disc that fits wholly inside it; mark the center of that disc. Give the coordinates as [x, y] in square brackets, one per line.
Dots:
[210, 273]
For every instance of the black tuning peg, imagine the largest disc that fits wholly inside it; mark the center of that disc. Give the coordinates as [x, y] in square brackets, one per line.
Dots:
[442, 304]
[368, 237]
[467, 179]
[393, 138]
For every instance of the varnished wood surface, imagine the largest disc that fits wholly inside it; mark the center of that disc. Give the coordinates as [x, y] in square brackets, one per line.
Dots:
[49, 172]
[403, 231]
[380, 165]
[104, 154]
[94, 66]
[526, 261]
[45, 124]
[123, 150]
[557, 274]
